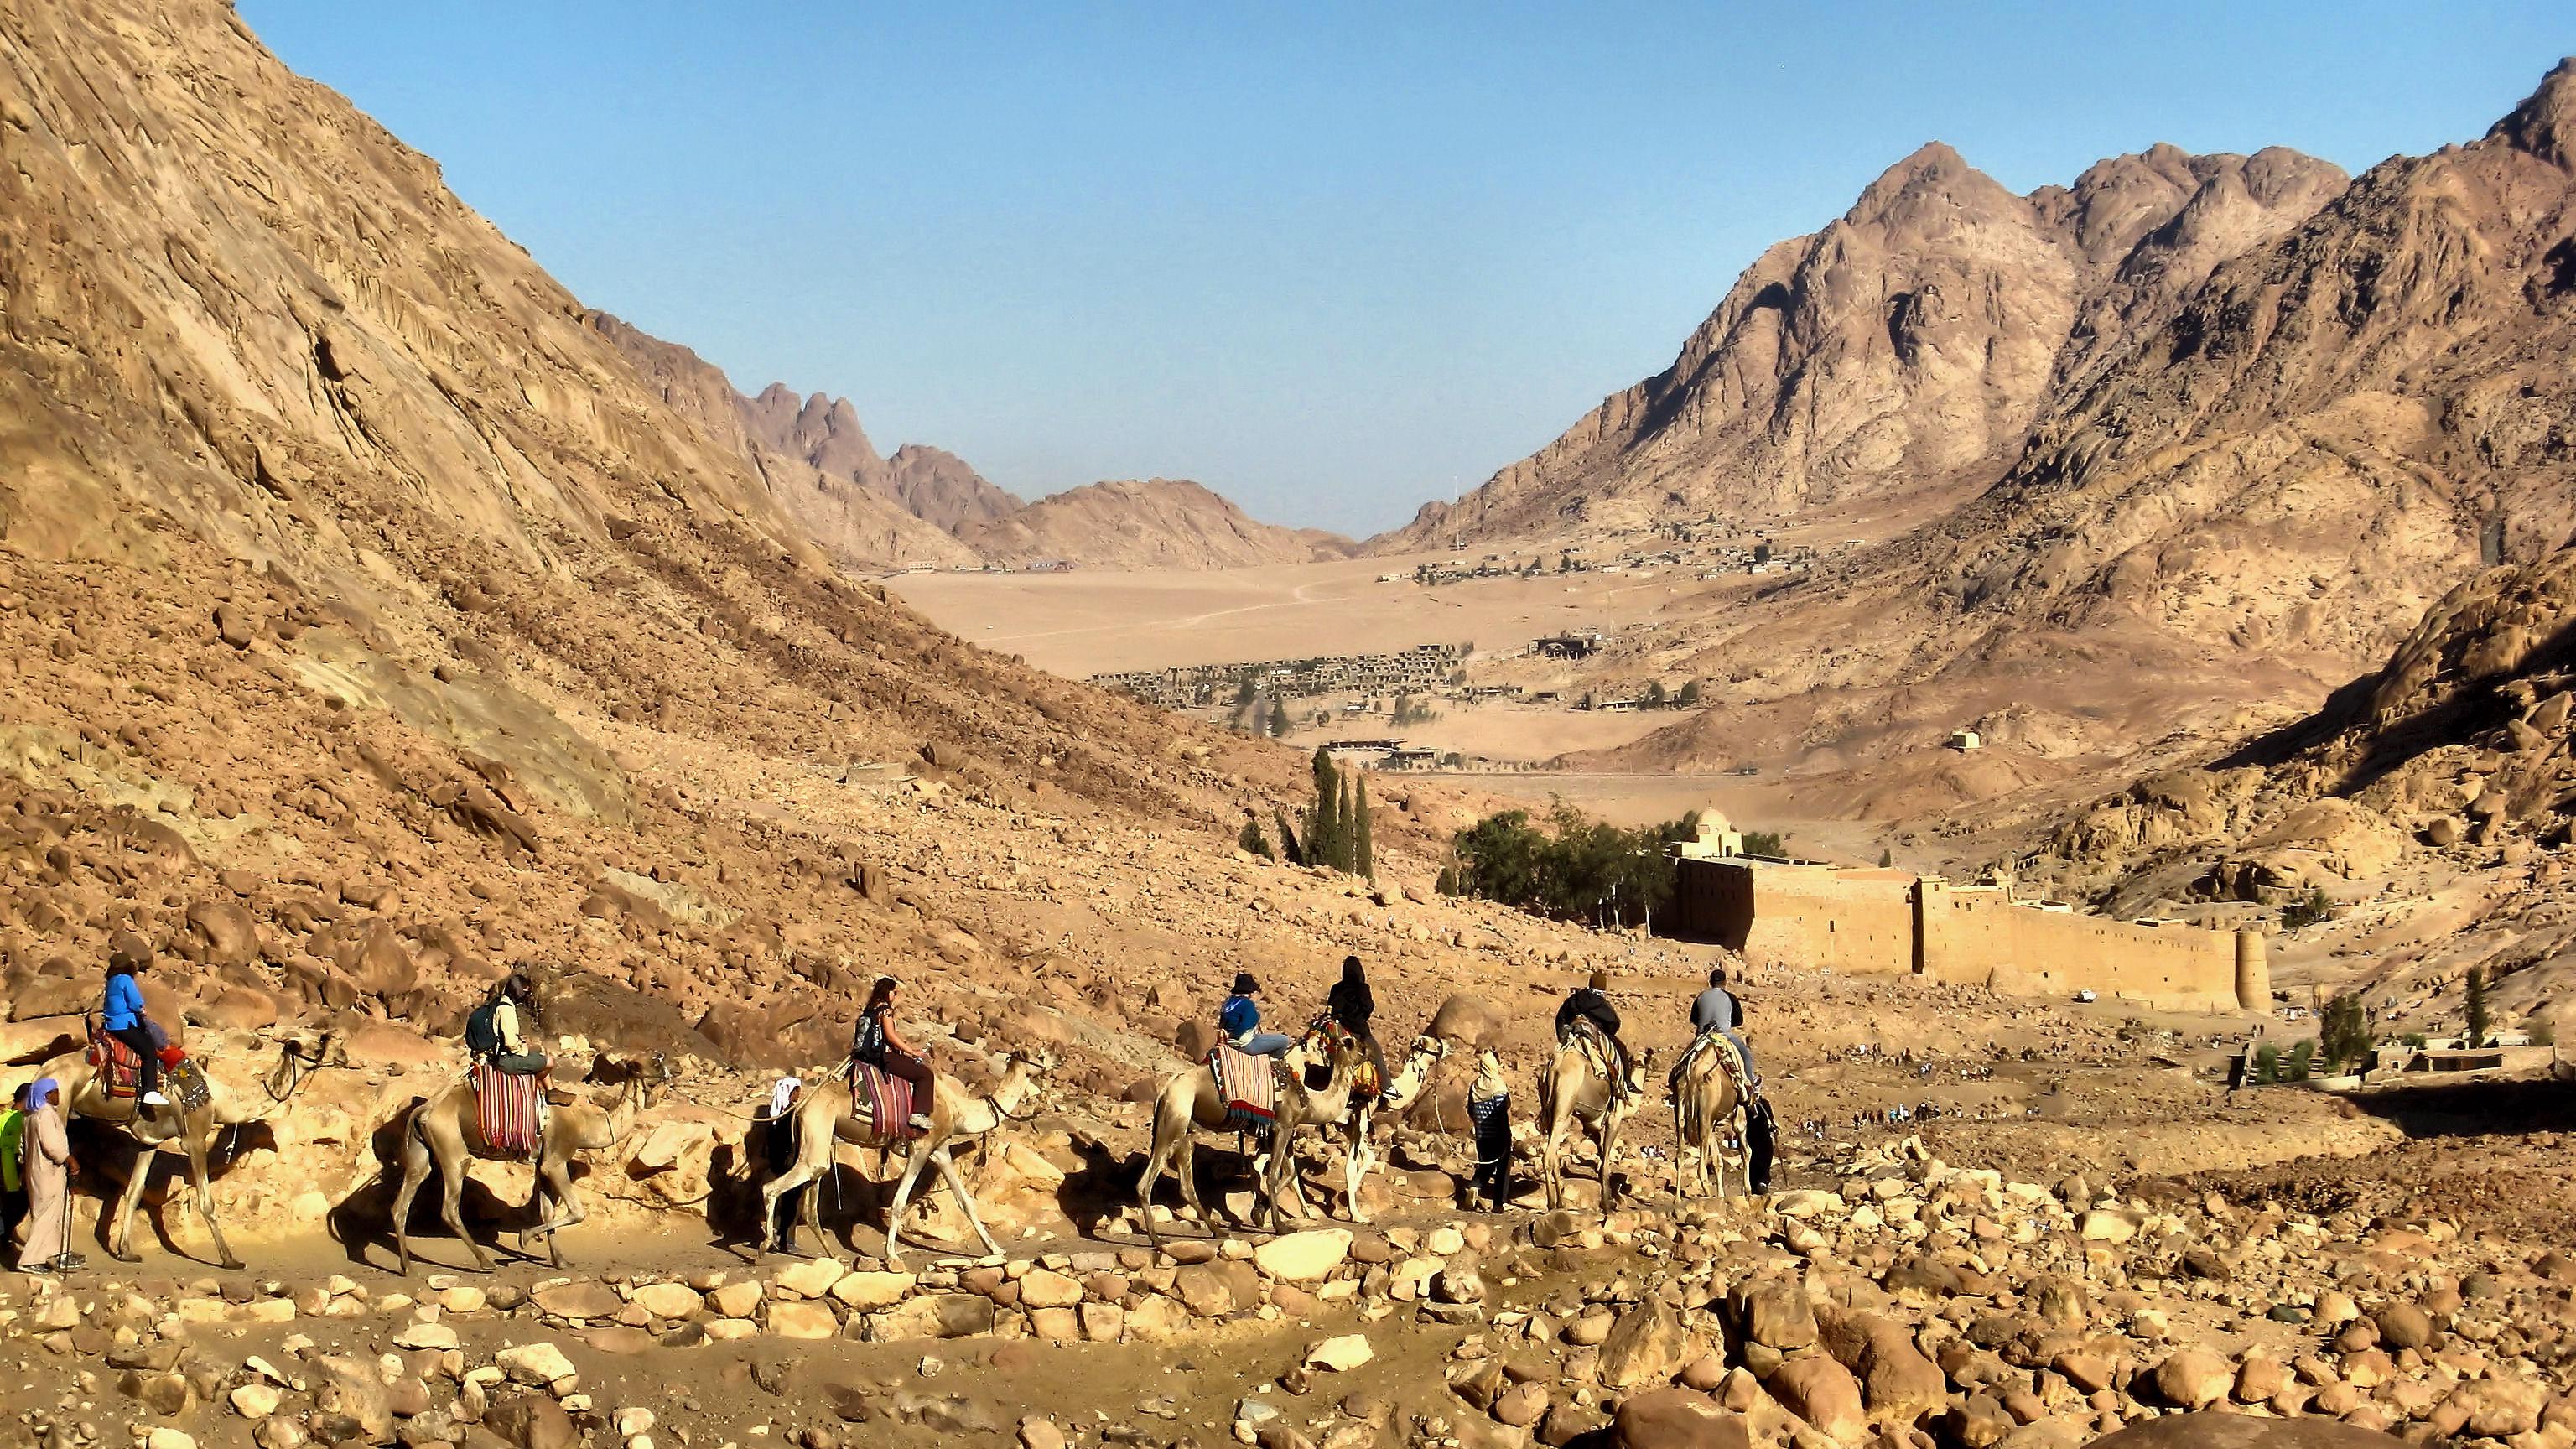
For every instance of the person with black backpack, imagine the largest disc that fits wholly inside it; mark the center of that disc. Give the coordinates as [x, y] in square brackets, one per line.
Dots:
[879, 1043]
[492, 1032]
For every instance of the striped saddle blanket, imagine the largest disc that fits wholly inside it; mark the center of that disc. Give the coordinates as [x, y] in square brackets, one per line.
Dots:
[119, 1068]
[510, 1107]
[889, 1100]
[1247, 1084]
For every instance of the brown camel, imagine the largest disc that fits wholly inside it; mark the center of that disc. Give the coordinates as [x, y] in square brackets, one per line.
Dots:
[1708, 1115]
[1573, 1093]
[1190, 1100]
[831, 1114]
[1359, 1144]
[230, 1103]
[443, 1131]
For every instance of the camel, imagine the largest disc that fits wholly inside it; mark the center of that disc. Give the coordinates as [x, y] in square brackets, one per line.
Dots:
[1708, 1112]
[444, 1130]
[1359, 1145]
[1572, 1093]
[831, 1114]
[1190, 1100]
[228, 1105]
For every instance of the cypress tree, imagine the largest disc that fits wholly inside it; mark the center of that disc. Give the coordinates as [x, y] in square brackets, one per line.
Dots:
[1367, 857]
[2477, 1007]
[1251, 840]
[1324, 831]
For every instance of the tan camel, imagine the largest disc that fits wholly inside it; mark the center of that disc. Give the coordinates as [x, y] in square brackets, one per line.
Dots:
[1190, 1100]
[228, 1104]
[1359, 1144]
[831, 1114]
[1708, 1114]
[1573, 1093]
[443, 1131]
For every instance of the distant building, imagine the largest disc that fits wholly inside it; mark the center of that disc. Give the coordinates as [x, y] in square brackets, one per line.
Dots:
[1965, 741]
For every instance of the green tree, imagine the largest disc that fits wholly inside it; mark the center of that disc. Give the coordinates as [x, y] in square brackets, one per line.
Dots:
[1886, 857]
[1251, 840]
[1324, 822]
[2308, 910]
[2344, 1039]
[1364, 853]
[2267, 1065]
[1656, 698]
[2477, 1008]
[1689, 697]
[1278, 720]
[2301, 1055]
[1765, 842]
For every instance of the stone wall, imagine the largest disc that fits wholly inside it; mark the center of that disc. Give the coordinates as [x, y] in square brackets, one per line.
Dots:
[1889, 922]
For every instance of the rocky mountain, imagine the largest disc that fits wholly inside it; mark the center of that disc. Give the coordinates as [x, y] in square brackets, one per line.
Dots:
[2232, 513]
[1156, 523]
[1903, 351]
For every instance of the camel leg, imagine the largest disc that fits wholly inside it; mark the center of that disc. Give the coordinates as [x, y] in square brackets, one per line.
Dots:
[1550, 1163]
[948, 1174]
[1355, 1166]
[1157, 1156]
[798, 1174]
[554, 1180]
[1185, 1167]
[1682, 1163]
[913, 1163]
[205, 1195]
[451, 1201]
[1609, 1150]
[120, 1241]
[415, 1169]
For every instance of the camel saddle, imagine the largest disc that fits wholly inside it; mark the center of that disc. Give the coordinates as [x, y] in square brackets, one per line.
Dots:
[509, 1109]
[120, 1070]
[1607, 1061]
[1247, 1084]
[1327, 1036]
[1730, 1060]
[889, 1100]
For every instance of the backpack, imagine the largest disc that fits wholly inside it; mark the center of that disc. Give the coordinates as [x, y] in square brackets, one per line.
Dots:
[482, 1038]
[870, 1044]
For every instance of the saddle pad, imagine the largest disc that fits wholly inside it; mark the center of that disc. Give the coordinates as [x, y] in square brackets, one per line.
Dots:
[1247, 1084]
[509, 1107]
[117, 1061]
[889, 1099]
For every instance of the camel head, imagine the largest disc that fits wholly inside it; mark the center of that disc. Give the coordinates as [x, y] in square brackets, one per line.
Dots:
[1038, 1061]
[1429, 1049]
[324, 1048]
[652, 1072]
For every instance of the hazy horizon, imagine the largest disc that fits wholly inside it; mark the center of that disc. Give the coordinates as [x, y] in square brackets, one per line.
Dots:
[1330, 263]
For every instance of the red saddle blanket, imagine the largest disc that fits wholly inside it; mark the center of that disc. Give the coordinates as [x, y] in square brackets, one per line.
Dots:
[889, 1100]
[1247, 1084]
[509, 1107]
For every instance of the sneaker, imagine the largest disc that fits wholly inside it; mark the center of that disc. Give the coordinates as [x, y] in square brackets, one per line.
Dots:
[920, 1122]
[155, 1099]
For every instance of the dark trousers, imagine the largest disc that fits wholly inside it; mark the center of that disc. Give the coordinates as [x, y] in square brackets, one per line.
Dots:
[519, 1064]
[912, 1069]
[1492, 1117]
[139, 1037]
[13, 1211]
[1758, 1142]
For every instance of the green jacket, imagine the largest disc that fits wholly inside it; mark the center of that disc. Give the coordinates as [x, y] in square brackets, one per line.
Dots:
[13, 1131]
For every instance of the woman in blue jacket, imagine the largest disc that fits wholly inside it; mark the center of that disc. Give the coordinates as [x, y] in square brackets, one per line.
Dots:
[1240, 1020]
[124, 1020]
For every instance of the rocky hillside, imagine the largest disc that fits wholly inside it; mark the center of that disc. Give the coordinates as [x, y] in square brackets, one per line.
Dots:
[371, 621]
[1157, 523]
[1902, 351]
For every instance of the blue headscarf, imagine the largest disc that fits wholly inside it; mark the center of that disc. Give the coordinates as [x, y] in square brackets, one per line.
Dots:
[36, 1094]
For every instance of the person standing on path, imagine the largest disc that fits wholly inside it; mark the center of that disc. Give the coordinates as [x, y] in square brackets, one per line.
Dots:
[1489, 1109]
[46, 1167]
[13, 1185]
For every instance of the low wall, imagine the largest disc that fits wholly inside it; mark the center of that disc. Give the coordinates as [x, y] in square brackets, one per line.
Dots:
[1890, 922]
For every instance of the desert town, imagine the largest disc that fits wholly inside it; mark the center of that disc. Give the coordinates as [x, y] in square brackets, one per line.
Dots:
[550, 900]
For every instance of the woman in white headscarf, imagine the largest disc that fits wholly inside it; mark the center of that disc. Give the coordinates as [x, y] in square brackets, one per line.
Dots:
[47, 1172]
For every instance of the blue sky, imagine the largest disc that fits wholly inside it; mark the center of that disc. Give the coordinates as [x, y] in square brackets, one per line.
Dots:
[1331, 260]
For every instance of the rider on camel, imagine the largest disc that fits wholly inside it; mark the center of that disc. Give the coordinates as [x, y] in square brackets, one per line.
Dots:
[1716, 1010]
[1352, 1004]
[122, 1016]
[1589, 1002]
[1240, 1020]
[878, 1043]
[493, 1033]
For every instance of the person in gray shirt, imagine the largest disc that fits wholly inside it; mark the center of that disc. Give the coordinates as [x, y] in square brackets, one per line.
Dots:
[1715, 1010]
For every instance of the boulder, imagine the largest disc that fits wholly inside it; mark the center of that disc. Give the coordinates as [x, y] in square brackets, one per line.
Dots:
[1304, 1257]
[1823, 1393]
[581, 1298]
[1677, 1419]
[1466, 1020]
[1646, 1347]
[2212, 1430]
[1773, 1312]
[531, 1421]
[2194, 1378]
[536, 1363]
[1340, 1354]
[353, 1389]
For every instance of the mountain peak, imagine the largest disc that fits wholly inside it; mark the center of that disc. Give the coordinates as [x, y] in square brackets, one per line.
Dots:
[1934, 170]
[2545, 123]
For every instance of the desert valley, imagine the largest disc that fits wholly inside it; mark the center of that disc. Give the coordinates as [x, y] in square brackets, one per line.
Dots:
[2091, 666]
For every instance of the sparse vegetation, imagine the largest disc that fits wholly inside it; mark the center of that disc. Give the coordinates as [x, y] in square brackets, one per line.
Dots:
[1689, 696]
[2302, 1054]
[1410, 710]
[1765, 842]
[2477, 1007]
[1252, 841]
[1573, 868]
[2344, 1036]
[2267, 1065]
[2308, 910]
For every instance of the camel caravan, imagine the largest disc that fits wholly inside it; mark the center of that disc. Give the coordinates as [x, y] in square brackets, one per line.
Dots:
[1264, 1089]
